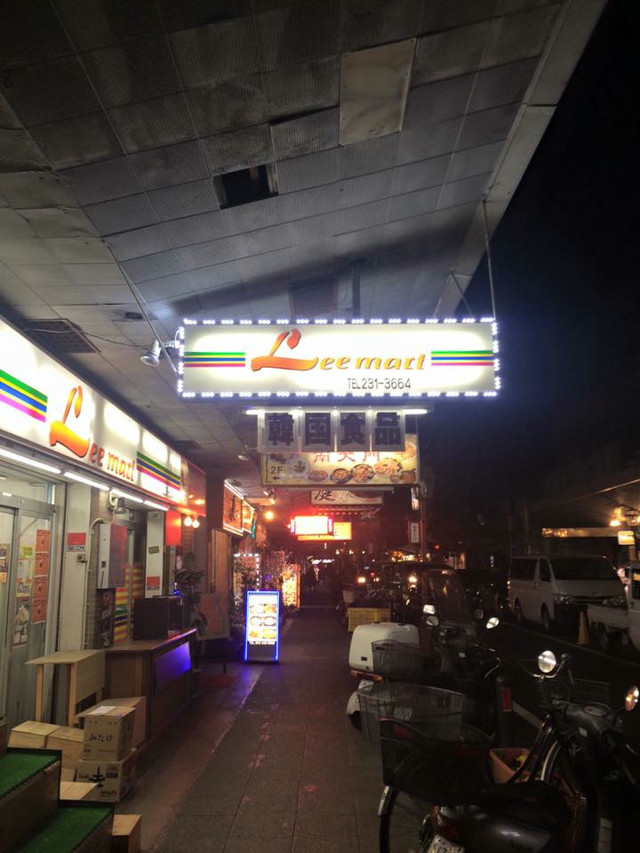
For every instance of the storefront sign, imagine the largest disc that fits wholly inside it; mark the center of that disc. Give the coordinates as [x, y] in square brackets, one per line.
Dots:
[338, 359]
[626, 537]
[303, 525]
[262, 625]
[342, 469]
[232, 510]
[330, 431]
[46, 405]
[248, 518]
[341, 530]
[343, 497]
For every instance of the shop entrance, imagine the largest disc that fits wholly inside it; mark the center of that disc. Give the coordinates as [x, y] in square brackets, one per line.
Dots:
[25, 560]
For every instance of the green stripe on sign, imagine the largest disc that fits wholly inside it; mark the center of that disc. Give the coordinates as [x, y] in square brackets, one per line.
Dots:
[24, 387]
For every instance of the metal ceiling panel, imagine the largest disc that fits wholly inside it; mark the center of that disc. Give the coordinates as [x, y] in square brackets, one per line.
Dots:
[267, 239]
[102, 181]
[371, 22]
[93, 274]
[461, 192]
[212, 252]
[78, 250]
[152, 124]
[39, 276]
[57, 222]
[94, 23]
[436, 102]
[414, 204]
[299, 32]
[314, 132]
[427, 142]
[134, 71]
[443, 14]
[49, 91]
[62, 296]
[8, 118]
[371, 155]
[365, 216]
[420, 175]
[257, 214]
[30, 32]
[373, 90]
[309, 202]
[309, 87]
[18, 152]
[314, 229]
[173, 164]
[240, 149]
[184, 200]
[35, 189]
[219, 50]
[450, 53]
[121, 214]
[408, 229]
[502, 85]
[198, 229]
[152, 266]
[364, 189]
[228, 104]
[519, 36]
[309, 171]
[135, 244]
[76, 141]
[474, 161]
[27, 251]
[356, 243]
[487, 126]
[13, 226]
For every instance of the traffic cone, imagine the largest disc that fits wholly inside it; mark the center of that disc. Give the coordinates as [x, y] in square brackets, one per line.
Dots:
[583, 630]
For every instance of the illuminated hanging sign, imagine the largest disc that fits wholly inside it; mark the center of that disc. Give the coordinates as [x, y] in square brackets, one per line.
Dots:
[341, 530]
[343, 497]
[46, 405]
[346, 430]
[338, 359]
[363, 470]
[319, 525]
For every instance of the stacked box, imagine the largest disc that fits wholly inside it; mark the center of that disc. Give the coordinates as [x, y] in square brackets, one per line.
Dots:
[108, 733]
[31, 735]
[112, 778]
[139, 705]
[126, 833]
[69, 741]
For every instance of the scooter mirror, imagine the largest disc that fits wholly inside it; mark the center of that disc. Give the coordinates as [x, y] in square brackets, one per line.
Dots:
[632, 698]
[432, 621]
[478, 614]
[428, 609]
[547, 662]
[493, 622]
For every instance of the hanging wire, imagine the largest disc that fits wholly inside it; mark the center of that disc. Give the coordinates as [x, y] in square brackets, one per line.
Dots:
[487, 245]
[462, 293]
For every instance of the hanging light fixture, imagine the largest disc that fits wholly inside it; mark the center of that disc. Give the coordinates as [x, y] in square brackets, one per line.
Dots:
[187, 521]
[152, 356]
[195, 523]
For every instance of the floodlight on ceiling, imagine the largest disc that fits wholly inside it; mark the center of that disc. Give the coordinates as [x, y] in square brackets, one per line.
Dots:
[153, 356]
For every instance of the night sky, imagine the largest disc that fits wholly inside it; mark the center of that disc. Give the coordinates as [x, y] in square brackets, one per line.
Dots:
[566, 264]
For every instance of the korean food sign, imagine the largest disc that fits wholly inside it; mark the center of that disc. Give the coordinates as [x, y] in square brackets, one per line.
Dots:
[343, 469]
[338, 359]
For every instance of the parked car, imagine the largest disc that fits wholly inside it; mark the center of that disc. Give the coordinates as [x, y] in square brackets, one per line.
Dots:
[618, 620]
[548, 589]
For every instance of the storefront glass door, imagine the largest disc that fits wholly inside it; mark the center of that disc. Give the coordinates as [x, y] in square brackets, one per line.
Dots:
[7, 522]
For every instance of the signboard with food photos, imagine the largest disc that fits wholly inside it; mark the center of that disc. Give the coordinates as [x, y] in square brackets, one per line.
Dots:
[343, 469]
[262, 625]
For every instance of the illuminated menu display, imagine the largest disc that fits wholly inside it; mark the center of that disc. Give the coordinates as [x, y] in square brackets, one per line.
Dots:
[262, 625]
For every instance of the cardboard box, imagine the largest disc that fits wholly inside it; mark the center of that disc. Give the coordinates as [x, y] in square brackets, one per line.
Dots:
[127, 829]
[69, 741]
[75, 791]
[31, 735]
[112, 778]
[68, 774]
[108, 732]
[139, 705]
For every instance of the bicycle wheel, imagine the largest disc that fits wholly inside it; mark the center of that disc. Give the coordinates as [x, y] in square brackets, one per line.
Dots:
[404, 824]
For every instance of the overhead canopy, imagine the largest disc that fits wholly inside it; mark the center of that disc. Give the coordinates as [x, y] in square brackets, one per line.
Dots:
[237, 160]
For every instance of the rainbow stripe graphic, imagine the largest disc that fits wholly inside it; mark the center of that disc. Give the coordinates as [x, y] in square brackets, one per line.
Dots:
[22, 397]
[215, 359]
[462, 358]
[154, 469]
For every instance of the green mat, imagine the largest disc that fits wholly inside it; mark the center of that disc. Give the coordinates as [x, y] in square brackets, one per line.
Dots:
[17, 767]
[67, 829]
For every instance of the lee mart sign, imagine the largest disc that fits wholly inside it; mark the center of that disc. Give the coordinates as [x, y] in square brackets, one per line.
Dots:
[338, 359]
[43, 403]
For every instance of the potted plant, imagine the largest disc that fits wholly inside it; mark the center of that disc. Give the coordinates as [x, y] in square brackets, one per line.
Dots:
[187, 579]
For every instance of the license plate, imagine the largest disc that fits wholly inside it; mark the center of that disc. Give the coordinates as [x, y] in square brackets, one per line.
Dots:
[443, 845]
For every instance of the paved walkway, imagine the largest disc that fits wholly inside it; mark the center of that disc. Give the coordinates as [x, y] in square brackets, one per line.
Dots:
[290, 774]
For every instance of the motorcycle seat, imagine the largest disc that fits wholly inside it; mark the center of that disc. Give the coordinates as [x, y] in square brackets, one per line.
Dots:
[530, 802]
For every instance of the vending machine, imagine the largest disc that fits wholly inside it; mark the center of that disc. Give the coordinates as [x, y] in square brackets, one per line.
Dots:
[262, 630]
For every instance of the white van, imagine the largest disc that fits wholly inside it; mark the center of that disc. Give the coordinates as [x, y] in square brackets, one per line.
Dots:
[547, 589]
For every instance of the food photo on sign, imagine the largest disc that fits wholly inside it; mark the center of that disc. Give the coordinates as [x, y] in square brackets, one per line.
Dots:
[338, 469]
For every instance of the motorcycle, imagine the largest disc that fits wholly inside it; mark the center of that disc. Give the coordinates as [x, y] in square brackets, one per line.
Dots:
[578, 789]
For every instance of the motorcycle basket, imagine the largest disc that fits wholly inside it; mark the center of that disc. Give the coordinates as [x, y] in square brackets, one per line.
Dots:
[406, 702]
[440, 761]
[580, 691]
[400, 661]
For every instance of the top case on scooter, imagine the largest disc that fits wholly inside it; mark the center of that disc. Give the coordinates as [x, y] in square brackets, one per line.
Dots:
[360, 650]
